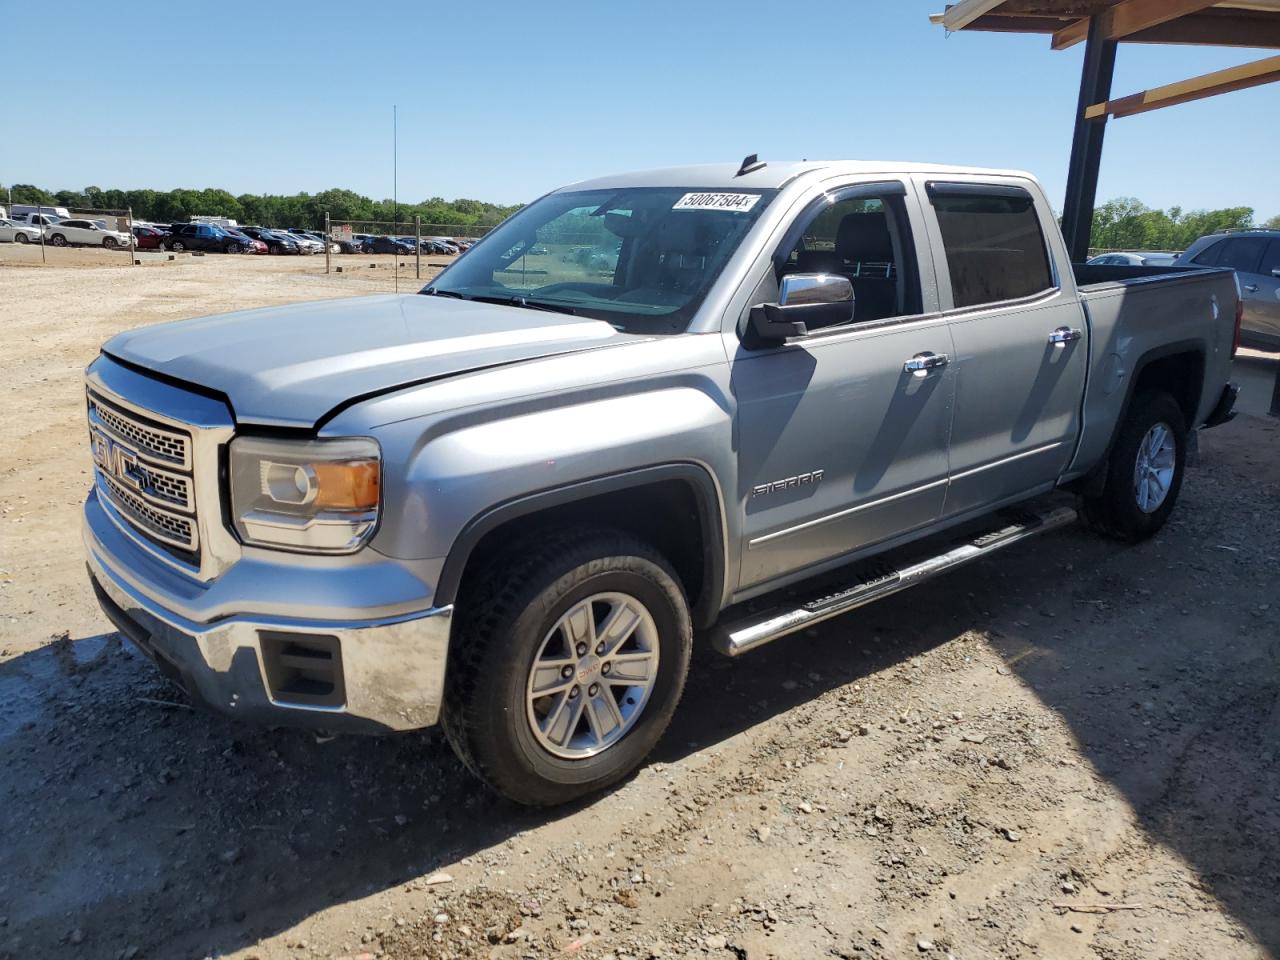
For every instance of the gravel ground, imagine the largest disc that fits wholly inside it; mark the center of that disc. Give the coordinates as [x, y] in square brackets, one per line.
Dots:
[1066, 751]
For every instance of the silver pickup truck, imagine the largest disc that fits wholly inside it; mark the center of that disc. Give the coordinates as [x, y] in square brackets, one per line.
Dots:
[722, 401]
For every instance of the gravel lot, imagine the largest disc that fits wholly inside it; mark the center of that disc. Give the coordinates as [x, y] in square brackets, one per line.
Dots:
[1067, 751]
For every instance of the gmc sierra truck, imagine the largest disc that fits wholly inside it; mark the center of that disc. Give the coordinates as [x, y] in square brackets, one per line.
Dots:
[724, 401]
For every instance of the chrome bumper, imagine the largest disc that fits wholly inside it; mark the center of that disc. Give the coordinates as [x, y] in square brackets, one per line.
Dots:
[390, 671]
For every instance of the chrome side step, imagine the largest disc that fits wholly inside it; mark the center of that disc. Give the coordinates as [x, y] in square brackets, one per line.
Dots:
[734, 638]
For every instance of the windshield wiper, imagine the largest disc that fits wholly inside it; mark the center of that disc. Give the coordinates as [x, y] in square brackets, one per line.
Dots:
[433, 292]
[527, 304]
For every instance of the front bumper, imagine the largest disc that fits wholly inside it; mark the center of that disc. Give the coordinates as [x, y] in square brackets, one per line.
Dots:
[369, 675]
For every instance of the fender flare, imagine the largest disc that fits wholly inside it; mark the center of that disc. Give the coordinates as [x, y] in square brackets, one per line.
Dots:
[694, 476]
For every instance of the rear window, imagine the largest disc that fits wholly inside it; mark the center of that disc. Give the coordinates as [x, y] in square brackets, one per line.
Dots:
[1242, 253]
[993, 242]
[1271, 259]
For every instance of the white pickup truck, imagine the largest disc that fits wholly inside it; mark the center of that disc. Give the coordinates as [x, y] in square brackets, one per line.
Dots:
[730, 401]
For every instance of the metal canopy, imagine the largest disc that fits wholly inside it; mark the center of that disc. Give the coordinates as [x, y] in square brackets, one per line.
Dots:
[1104, 24]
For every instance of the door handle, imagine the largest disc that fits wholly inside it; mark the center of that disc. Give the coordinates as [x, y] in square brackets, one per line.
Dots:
[922, 363]
[1251, 288]
[1064, 335]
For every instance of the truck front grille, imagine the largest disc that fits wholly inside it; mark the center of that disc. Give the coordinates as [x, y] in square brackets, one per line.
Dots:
[144, 471]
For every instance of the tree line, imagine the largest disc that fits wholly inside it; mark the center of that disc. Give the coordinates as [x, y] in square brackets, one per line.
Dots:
[1129, 224]
[304, 210]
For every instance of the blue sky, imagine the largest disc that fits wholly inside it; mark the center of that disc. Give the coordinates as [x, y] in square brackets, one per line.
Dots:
[501, 100]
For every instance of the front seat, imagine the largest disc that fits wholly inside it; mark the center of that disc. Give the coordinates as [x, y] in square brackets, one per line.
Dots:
[863, 253]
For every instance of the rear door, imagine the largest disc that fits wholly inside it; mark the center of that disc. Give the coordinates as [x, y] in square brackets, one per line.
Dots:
[1267, 296]
[839, 445]
[1019, 332]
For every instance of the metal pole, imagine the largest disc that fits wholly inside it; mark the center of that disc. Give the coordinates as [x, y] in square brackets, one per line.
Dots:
[417, 247]
[39, 217]
[1086, 147]
[395, 182]
[133, 259]
[327, 240]
[1275, 394]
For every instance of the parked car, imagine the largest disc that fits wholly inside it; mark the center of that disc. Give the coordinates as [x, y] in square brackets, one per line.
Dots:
[248, 243]
[306, 244]
[350, 245]
[148, 238]
[277, 242]
[201, 236]
[17, 231]
[508, 501]
[1124, 259]
[36, 220]
[1255, 257]
[87, 232]
[387, 245]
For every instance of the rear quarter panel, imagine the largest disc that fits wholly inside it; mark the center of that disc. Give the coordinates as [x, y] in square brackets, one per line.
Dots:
[1134, 321]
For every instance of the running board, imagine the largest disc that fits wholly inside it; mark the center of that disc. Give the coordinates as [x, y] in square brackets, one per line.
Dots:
[738, 637]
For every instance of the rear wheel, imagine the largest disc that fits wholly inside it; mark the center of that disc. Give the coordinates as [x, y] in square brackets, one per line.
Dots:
[1144, 471]
[569, 662]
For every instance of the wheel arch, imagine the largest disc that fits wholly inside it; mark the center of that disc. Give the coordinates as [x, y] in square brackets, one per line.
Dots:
[1178, 368]
[697, 551]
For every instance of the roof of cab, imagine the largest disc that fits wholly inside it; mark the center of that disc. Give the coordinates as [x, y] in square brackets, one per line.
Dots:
[773, 174]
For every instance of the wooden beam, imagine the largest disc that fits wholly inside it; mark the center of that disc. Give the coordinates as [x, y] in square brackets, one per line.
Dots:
[1197, 88]
[962, 14]
[1128, 17]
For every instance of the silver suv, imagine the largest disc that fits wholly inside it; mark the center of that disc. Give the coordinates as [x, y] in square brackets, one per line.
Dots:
[1255, 256]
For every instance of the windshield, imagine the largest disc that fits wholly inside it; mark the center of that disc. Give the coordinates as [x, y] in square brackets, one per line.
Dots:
[641, 258]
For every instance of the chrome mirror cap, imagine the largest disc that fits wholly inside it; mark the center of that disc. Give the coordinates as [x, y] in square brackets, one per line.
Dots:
[799, 289]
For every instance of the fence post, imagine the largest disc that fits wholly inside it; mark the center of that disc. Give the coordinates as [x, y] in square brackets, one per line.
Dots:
[417, 247]
[39, 217]
[327, 240]
[133, 259]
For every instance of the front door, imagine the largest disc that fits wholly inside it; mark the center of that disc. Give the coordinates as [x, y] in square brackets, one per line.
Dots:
[840, 446]
[1020, 339]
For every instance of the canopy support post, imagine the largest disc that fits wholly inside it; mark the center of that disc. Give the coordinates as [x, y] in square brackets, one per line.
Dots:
[1086, 147]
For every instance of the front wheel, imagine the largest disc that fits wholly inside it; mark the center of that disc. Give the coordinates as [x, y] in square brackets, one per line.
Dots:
[177, 246]
[231, 248]
[110, 242]
[22, 238]
[58, 240]
[1144, 471]
[569, 663]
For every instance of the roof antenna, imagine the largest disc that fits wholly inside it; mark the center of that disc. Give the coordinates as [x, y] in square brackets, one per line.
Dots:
[750, 165]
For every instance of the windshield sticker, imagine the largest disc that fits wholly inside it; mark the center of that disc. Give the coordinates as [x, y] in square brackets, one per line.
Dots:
[733, 202]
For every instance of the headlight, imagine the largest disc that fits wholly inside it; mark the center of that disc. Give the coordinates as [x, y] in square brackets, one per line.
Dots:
[315, 496]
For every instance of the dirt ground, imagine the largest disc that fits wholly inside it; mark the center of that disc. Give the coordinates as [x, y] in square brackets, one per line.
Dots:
[1067, 751]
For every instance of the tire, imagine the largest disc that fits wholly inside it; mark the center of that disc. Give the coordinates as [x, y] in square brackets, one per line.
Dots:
[110, 242]
[231, 248]
[21, 238]
[177, 246]
[1140, 494]
[58, 240]
[276, 249]
[517, 611]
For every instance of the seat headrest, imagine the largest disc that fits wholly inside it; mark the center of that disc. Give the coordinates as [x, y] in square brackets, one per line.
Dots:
[864, 238]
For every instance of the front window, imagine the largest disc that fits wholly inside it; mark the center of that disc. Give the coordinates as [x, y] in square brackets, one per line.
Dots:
[641, 258]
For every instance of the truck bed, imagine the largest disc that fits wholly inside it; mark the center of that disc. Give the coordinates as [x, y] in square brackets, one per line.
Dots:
[1133, 311]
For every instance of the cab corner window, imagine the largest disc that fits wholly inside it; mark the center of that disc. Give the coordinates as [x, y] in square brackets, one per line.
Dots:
[994, 246]
[866, 239]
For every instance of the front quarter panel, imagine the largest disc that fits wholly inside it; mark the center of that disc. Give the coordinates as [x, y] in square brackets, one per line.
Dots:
[443, 471]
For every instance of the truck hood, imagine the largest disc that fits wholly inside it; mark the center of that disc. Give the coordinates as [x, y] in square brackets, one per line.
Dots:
[289, 366]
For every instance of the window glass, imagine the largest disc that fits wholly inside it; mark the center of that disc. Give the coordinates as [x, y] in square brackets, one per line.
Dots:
[1208, 257]
[1271, 259]
[641, 258]
[994, 246]
[1243, 253]
[854, 238]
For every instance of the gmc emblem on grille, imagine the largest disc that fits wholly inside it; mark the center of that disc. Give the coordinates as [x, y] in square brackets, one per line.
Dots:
[116, 460]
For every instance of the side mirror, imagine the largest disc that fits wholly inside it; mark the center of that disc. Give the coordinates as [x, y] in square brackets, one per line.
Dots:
[805, 300]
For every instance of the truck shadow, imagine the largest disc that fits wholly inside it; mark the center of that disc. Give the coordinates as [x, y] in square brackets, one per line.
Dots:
[127, 811]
